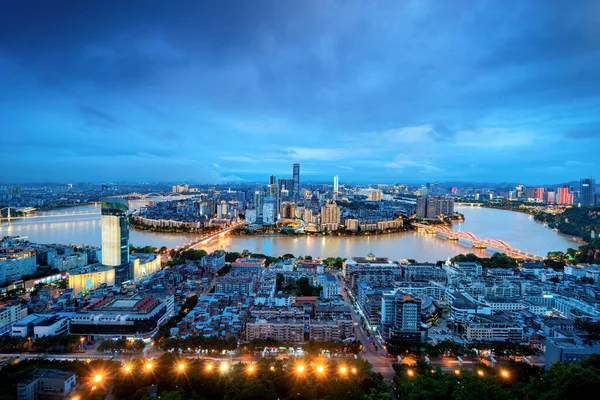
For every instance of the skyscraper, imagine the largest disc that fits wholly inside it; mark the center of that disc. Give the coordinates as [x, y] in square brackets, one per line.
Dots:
[401, 317]
[259, 195]
[272, 179]
[588, 191]
[296, 178]
[330, 216]
[336, 184]
[115, 237]
[564, 197]
[269, 211]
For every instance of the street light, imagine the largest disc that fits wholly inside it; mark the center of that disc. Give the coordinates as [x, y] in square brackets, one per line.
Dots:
[480, 373]
[181, 367]
[97, 378]
[300, 369]
[224, 367]
[272, 368]
[127, 368]
[320, 369]
[209, 367]
[251, 368]
[457, 371]
[343, 370]
[505, 373]
[410, 372]
[354, 370]
[149, 366]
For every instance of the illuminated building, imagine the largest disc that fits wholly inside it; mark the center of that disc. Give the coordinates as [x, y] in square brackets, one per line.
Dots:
[16, 261]
[539, 194]
[269, 211]
[330, 216]
[375, 195]
[86, 279]
[145, 265]
[134, 316]
[115, 237]
[564, 197]
[288, 210]
[588, 191]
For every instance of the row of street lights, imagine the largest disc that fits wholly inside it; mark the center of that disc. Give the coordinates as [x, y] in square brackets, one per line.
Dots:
[503, 373]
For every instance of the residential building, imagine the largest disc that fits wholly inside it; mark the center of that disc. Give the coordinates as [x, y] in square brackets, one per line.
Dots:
[48, 384]
[330, 216]
[330, 286]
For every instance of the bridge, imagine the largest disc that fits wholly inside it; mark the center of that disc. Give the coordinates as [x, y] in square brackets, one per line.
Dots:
[468, 204]
[43, 214]
[204, 240]
[476, 242]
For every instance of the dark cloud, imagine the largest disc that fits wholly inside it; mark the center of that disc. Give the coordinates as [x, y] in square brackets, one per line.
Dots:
[240, 80]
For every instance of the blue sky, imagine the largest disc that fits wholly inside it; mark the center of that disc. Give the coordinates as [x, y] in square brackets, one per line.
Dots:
[372, 91]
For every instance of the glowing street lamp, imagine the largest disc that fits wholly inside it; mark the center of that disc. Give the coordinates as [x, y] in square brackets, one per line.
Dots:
[97, 378]
[320, 369]
[354, 370]
[180, 367]
[343, 370]
[410, 373]
[505, 373]
[251, 368]
[457, 371]
[224, 367]
[300, 369]
[127, 368]
[480, 373]
[209, 367]
[149, 366]
[272, 368]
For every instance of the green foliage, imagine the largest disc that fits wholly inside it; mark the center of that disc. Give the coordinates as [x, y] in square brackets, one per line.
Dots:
[145, 249]
[575, 221]
[400, 347]
[299, 287]
[335, 262]
[498, 260]
[46, 344]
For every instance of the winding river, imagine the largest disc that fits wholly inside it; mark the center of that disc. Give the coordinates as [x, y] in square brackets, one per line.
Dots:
[516, 228]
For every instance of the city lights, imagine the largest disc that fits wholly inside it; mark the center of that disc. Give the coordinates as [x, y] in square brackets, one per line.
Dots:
[127, 368]
[480, 373]
[224, 367]
[149, 366]
[209, 367]
[504, 373]
[181, 367]
[97, 378]
[272, 368]
[457, 371]
[320, 369]
[343, 370]
[300, 369]
[410, 372]
[354, 370]
[251, 368]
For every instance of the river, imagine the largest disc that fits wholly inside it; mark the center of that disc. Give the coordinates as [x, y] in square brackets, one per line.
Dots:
[518, 229]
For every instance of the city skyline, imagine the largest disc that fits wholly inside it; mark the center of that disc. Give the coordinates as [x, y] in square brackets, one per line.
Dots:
[484, 92]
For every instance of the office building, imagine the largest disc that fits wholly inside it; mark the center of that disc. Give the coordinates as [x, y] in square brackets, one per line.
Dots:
[569, 350]
[91, 277]
[296, 183]
[241, 200]
[115, 238]
[401, 317]
[336, 184]
[588, 191]
[145, 265]
[222, 209]
[330, 216]
[15, 261]
[259, 196]
[492, 328]
[269, 211]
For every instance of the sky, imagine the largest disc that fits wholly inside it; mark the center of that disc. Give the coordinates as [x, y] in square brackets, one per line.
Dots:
[372, 91]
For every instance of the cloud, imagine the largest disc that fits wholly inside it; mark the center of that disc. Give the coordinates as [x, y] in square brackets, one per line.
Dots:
[489, 138]
[405, 161]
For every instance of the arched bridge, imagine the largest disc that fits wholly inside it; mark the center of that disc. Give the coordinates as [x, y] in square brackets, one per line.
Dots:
[478, 243]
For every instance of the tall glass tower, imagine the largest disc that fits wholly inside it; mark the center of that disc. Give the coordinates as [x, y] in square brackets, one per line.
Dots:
[296, 187]
[115, 237]
[588, 191]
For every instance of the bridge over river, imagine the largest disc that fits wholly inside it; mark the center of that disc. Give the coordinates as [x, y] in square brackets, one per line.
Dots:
[476, 242]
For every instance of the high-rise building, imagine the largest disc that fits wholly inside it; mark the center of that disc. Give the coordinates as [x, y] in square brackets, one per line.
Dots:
[330, 216]
[588, 191]
[222, 209]
[529, 193]
[564, 196]
[288, 210]
[259, 196]
[269, 211]
[539, 194]
[336, 184]
[375, 195]
[551, 197]
[272, 180]
[296, 183]
[519, 190]
[434, 207]
[115, 237]
[241, 199]
[401, 317]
